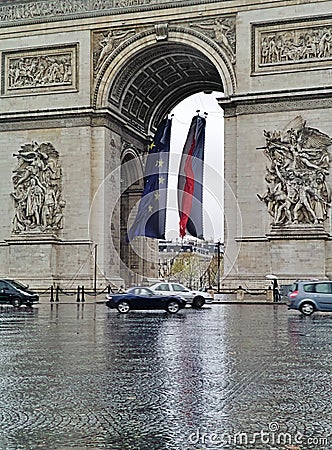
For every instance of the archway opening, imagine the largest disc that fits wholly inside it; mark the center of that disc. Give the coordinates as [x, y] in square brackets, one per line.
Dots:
[202, 102]
[155, 81]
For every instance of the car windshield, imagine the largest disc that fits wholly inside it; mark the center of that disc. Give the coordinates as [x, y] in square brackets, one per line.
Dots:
[18, 285]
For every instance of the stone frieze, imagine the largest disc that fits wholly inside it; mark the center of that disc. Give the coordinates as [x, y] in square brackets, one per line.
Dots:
[292, 45]
[39, 70]
[296, 176]
[49, 9]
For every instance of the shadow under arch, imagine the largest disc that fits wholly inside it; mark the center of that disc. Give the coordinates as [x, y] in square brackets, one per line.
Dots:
[144, 78]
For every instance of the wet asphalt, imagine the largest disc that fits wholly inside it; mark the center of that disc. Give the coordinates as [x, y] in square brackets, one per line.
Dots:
[82, 376]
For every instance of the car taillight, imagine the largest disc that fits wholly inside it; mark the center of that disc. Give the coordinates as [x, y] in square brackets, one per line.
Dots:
[293, 294]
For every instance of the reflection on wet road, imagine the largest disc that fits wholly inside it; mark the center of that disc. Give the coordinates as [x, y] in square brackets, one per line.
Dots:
[229, 376]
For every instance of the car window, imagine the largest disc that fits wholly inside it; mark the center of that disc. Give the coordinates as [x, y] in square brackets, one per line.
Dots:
[179, 288]
[323, 288]
[2, 285]
[162, 287]
[309, 288]
[143, 291]
[294, 287]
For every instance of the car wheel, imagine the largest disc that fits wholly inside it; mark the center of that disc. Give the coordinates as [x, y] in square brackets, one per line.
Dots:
[198, 302]
[173, 306]
[123, 307]
[307, 308]
[16, 302]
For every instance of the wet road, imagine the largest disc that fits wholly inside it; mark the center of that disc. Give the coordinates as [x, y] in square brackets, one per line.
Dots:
[230, 376]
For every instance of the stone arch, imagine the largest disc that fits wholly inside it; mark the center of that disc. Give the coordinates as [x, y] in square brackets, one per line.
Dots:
[183, 50]
[142, 80]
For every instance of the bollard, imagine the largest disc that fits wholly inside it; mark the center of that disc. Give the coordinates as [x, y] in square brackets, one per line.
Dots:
[82, 299]
[269, 294]
[78, 294]
[52, 295]
[240, 294]
[57, 294]
[109, 289]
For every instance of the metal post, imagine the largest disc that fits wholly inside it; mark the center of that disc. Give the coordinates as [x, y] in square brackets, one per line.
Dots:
[95, 273]
[219, 244]
[52, 295]
[82, 299]
[57, 294]
[78, 294]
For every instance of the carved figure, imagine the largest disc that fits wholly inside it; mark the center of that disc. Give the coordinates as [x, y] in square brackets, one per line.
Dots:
[296, 45]
[108, 44]
[42, 70]
[297, 191]
[38, 202]
[221, 31]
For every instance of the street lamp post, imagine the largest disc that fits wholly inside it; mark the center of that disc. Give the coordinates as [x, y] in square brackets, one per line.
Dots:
[218, 245]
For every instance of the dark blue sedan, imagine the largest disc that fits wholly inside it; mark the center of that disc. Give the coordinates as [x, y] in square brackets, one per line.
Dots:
[144, 298]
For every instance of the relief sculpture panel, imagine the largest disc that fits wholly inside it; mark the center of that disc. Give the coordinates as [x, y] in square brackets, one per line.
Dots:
[23, 10]
[292, 46]
[37, 194]
[296, 177]
[39, 70]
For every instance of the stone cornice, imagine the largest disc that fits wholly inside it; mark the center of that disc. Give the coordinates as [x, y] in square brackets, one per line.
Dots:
[49, 10]
[66, 117]
[273, 101]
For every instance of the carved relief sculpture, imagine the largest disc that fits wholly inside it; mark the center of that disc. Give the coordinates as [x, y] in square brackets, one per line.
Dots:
[299, 161]
[105, 43]
[222, 31]
[50, 9]
[40, 70]
[37, 194]
[296, 45]
[289, 45]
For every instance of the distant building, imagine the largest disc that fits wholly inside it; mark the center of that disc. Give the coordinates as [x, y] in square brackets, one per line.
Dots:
[207, 253]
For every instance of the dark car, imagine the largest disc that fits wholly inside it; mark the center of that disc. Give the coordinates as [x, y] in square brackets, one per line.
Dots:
[14, 293]
[144, 298]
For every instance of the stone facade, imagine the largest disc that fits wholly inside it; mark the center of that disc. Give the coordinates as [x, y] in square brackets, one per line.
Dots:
[91, 81]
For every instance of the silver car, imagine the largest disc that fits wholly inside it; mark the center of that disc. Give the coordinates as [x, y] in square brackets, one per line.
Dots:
[196, 298]
[309, 296]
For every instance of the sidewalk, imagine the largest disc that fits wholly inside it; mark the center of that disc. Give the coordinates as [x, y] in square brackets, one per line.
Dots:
[72, 298]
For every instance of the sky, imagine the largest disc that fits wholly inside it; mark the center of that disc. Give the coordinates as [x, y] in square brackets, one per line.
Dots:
[213, 167]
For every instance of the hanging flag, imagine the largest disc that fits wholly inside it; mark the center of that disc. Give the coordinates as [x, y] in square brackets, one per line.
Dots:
[150, 220]
[190, 180]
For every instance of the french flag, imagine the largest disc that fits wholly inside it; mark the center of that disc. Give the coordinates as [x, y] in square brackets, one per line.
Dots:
[190, 180]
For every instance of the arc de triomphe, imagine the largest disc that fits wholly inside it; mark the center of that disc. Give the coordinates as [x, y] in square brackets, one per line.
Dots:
[83, 86]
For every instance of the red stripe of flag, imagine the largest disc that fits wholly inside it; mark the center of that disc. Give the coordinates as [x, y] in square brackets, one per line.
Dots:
[188, 191]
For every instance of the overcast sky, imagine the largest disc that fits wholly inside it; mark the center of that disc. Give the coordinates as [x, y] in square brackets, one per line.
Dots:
[213, 172]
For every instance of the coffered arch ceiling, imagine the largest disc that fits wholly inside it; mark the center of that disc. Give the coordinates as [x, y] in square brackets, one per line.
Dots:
[156, 79]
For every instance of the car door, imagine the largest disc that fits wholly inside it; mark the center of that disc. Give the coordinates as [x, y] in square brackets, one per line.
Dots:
[4, 292]
[145, 299]
[163, 289]
[323, 296]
